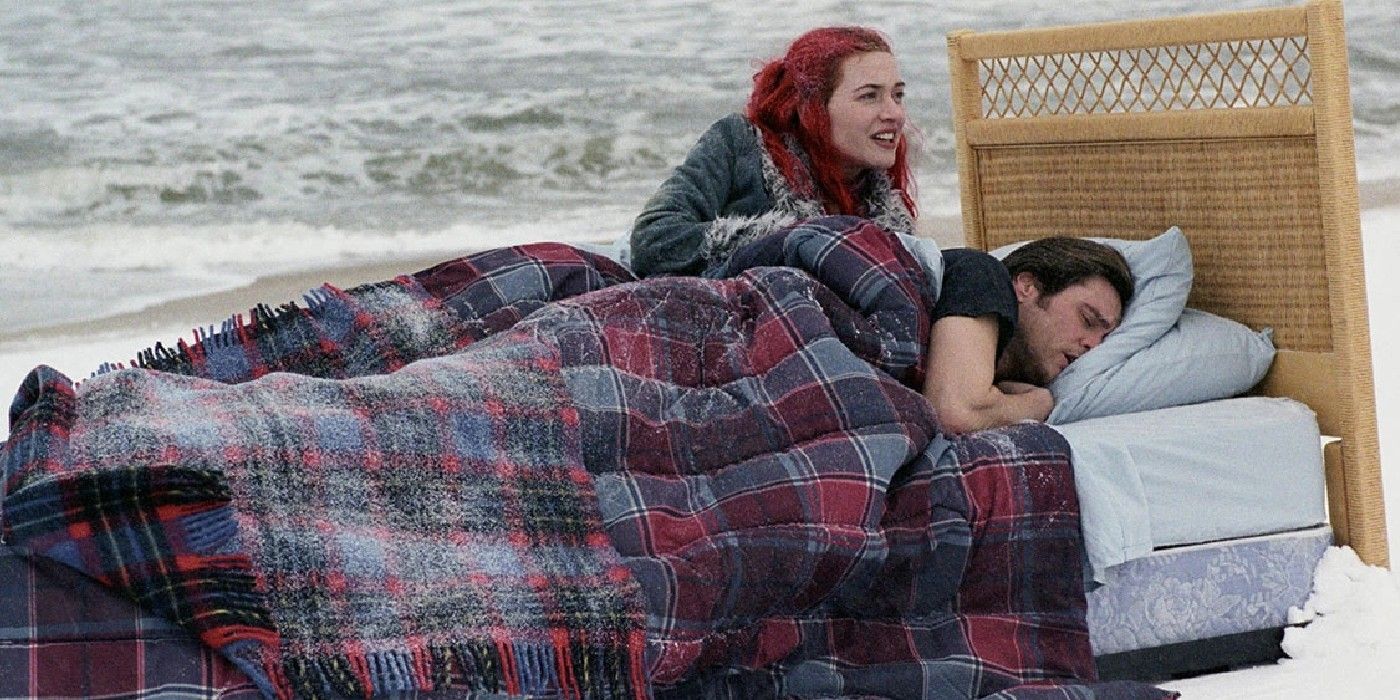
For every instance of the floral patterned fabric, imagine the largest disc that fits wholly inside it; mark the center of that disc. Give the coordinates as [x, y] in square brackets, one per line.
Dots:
[1190, 593]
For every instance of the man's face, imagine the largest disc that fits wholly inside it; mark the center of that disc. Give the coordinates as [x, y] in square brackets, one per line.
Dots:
[1055, 330]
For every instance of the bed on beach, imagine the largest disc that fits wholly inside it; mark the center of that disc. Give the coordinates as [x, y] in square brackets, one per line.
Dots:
[1237, 128]
[522, 472]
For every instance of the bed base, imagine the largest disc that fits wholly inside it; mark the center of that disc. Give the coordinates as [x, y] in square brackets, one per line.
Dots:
[1194, 658]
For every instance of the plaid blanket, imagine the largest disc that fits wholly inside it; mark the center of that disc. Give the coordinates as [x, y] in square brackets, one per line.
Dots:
[62, 635]
[522, 472]
[333, 516]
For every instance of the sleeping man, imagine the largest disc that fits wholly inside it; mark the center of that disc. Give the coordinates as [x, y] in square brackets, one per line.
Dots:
[1003, 330]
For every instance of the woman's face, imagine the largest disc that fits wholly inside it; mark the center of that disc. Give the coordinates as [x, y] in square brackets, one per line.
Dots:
[867, 111]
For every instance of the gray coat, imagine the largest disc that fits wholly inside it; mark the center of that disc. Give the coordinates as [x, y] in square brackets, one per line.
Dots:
[729, 192]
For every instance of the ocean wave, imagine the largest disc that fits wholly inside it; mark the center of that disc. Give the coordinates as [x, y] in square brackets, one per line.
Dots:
[1370, 57]
[267, 248]
[258, 51]
[94, 272]
[330, 171]
[410, 117]
[24, 149]
[528, 117]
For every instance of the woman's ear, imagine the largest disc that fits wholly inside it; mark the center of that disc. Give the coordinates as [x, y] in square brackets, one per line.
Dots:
[1027, 287]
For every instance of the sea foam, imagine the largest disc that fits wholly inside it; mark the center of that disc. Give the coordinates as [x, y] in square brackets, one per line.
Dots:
[67, 275]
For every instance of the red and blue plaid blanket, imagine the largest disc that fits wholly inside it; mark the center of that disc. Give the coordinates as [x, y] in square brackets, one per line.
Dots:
[523, 472]
[63, 635]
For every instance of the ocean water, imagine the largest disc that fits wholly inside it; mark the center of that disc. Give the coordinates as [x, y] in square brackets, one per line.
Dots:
[165, 148]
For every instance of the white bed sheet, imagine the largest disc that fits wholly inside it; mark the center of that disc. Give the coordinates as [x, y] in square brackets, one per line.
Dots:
[1200, 473]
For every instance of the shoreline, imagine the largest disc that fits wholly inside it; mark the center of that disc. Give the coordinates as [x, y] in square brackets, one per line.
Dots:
[201, 310]
[204, 309]
[212, 308]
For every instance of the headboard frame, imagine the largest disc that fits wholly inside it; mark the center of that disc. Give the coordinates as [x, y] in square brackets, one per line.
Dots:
[1235, 127]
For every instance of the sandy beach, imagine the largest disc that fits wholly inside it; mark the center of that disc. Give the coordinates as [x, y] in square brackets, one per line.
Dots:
[211, 308]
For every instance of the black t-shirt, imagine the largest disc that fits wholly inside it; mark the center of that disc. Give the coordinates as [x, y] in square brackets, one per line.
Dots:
[976, 284]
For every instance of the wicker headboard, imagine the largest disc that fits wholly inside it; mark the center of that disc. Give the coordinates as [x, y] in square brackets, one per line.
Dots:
[1235, 127]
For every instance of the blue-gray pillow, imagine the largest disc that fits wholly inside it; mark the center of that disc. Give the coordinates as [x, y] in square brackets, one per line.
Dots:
[1200, 358]
[1162, 354]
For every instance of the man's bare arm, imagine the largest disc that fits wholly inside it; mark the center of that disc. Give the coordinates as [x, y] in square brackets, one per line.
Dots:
[961, 382]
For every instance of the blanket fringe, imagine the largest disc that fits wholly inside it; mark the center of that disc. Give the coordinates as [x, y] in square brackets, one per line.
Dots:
[562, 667]
[262, 323]
[256, 343]
[188, 357]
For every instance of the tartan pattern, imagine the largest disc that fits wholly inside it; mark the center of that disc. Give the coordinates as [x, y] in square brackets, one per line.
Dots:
[63, 635]
[335, 571]
[969, 584]
[371, 329]
[875, 295]
[338, 537]
[381, 327]
[770, 483]
[747, 443]
[494, 289]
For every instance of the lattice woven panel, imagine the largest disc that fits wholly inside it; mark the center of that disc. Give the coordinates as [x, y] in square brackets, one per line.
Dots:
[1257, 73]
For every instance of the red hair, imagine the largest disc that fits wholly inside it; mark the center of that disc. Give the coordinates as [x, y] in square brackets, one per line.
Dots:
[789, 98]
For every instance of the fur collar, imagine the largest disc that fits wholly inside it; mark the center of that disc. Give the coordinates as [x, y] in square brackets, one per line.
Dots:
[883, 203]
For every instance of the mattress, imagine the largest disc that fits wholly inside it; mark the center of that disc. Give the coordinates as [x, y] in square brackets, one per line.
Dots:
[1182, 594]
[1190, 474]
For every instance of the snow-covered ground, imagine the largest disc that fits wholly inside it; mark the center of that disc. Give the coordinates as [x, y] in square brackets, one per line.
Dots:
[1351, 644]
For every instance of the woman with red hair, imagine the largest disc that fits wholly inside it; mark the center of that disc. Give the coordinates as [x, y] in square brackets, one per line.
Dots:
[823, 133]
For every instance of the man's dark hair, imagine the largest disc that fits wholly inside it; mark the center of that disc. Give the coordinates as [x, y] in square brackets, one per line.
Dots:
[1061, 261]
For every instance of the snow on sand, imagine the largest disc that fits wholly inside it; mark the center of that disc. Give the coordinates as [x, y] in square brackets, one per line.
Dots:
[1349, 647]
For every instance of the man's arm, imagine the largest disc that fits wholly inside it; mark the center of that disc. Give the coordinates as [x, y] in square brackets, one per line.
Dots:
[961, 381]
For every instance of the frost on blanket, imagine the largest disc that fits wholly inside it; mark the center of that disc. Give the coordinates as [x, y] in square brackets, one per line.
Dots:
[522, 472]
